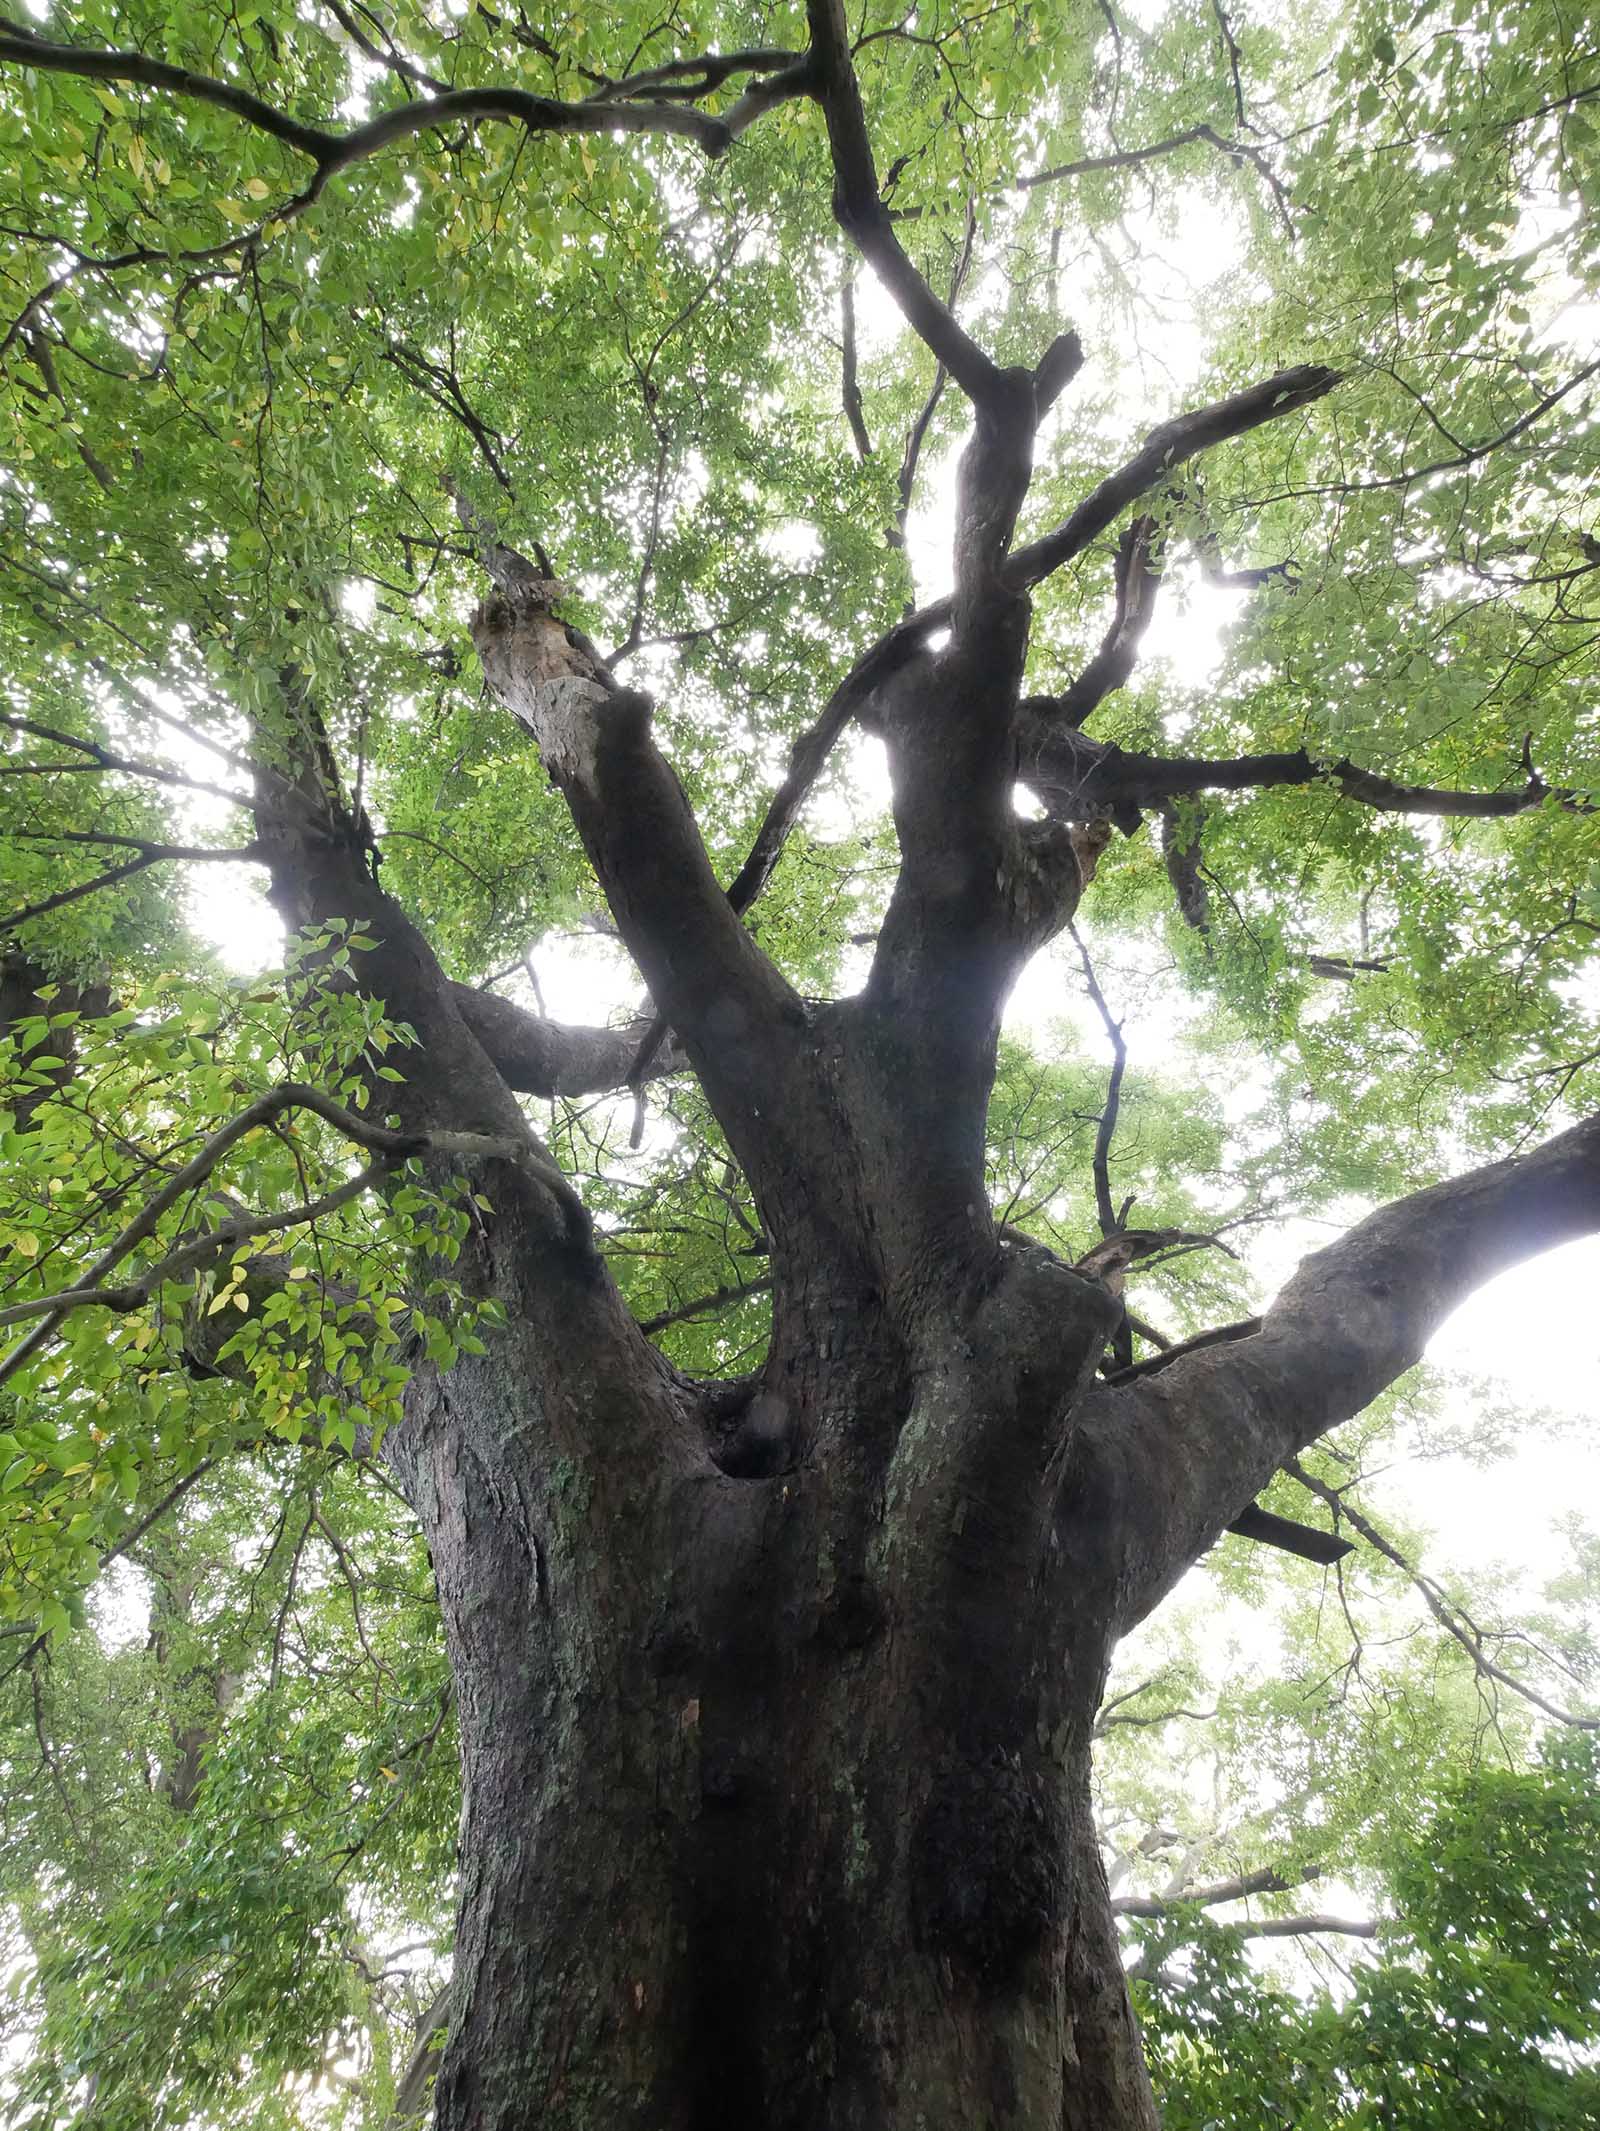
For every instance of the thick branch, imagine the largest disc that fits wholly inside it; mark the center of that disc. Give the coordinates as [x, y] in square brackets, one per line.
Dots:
[739, 1020]
[1266, 1528]
[540, 1057]
[1082, 779]
[1180, 1451]
[1268, 1880]
[331, 152]
[1344, 969]
[863, 216]
[1206, 425]
[1302, 1927]
[318, 848]
[1267, 1927]
[422, 2066]
[636, 824]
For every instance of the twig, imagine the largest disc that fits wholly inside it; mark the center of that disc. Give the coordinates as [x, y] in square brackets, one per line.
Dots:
[850, 382]
[718, 1299]
[1106, 1128]
[1451, 1617]
[265, 1110]
[124, 1545]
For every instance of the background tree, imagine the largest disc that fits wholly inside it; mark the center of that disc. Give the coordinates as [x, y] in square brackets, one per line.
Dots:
[793, 1414]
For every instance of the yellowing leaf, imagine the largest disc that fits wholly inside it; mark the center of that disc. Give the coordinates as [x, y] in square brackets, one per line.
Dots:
[258, 188]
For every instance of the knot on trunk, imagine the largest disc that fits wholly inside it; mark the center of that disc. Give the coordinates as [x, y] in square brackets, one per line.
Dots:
[988, 1877]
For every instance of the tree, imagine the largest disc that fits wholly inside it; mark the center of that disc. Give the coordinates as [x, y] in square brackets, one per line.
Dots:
[774, 1649]
[1479, 2011]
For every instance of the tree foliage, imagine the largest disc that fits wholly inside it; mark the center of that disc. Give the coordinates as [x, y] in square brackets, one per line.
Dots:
[1480, 2006]
[307, 309]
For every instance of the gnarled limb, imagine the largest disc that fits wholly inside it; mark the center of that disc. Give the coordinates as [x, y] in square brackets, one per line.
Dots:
[1173, 1455]
[740, 1022]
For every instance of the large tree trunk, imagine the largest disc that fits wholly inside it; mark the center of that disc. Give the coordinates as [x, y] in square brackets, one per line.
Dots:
[777, 1812]
[775, 1698]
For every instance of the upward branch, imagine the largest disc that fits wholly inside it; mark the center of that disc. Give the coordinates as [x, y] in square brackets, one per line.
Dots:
[740, 1022]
